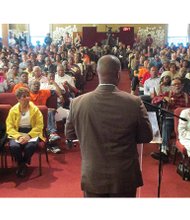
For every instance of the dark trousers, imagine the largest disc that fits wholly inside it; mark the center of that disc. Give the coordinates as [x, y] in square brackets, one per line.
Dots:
[131, 193]
[134, 83]
[22, 152]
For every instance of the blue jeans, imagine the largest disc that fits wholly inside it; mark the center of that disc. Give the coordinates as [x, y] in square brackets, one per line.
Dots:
[134, 83]
[51, 125]
[27, 149]
[167, 129]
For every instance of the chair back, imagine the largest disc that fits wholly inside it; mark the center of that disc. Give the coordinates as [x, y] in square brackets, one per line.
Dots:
[52, 101]
[8, 98]
[44, 111]
[4, 110]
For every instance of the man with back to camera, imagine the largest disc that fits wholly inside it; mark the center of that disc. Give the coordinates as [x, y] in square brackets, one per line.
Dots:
[109, 123]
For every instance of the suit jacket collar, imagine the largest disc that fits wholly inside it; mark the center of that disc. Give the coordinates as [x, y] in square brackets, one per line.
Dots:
[107, 87]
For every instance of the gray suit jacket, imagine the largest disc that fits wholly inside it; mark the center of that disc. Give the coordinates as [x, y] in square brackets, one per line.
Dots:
[109, 123]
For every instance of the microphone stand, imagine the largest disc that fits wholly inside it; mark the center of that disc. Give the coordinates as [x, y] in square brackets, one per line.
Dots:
[71, 143]
[161, 113]
[163, 110]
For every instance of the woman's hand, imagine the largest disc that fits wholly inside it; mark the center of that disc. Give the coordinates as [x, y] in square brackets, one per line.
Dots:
[166, 99]
[24, 139]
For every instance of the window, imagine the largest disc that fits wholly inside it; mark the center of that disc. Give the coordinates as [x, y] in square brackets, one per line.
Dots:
[177, 33]
[0, 30]
[38, 31]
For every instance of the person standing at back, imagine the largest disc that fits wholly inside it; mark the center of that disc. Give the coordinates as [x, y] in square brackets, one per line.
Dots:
[48, 39]
[109, 124]
[148, 42]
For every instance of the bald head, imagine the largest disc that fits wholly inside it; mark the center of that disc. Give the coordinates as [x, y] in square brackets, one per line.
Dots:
[108, 68]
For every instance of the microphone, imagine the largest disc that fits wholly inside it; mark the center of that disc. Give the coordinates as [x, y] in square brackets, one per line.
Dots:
[183, 119]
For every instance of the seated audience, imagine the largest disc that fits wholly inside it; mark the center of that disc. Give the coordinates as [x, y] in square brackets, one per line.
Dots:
[68, 41]
[23, 82]
[48, 66]
[3, 81]
[77, 40]
[156, 61]
[164, 85]
[13, 77]
[23, 63]
[52, 85]
[152, 82]
[185, 81]
[73, 70]
[38, 75]
[165, 66]
[172, 99]
[29, 68]
[40, 60]
[173, 73]
[142, 71]
[149, 87]
[135, 65]
[66, 83]
[39, 97]
[24, 128]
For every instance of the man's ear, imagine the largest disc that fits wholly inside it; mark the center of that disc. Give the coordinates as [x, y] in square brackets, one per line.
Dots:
[118, 75]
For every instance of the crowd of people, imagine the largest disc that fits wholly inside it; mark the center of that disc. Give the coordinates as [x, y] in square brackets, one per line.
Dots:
[159, 75]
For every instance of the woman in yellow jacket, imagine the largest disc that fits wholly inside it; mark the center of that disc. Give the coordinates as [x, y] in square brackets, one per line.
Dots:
[24, 126]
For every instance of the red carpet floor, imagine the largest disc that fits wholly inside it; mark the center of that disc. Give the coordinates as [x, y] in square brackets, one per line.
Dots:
[61, 178]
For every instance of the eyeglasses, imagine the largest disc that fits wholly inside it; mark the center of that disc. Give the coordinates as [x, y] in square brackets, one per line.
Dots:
[25, 96]
[176, 84]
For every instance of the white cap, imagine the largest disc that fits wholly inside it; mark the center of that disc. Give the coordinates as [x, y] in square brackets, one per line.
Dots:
[166, 73]
[187, 76]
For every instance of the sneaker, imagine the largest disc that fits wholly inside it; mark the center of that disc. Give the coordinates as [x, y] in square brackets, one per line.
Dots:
[54, 149]
[158, 156]
[53, 137]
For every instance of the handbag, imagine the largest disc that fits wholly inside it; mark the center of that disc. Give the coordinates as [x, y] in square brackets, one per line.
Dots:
[184, 171]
